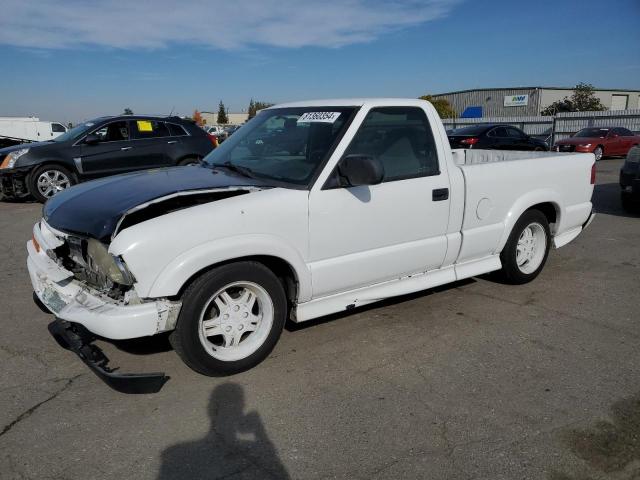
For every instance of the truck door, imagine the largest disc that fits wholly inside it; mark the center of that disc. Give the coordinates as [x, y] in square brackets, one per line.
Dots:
[369, 234]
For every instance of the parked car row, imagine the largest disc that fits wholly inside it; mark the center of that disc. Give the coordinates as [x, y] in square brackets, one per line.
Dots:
[221, 132]
[111, 145]
[100, 147]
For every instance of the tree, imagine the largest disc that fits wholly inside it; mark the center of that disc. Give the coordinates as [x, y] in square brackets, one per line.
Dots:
[128, 111]
[222, 114]
[442, 106]
[197, 117]
[255, 107]
[583, 99]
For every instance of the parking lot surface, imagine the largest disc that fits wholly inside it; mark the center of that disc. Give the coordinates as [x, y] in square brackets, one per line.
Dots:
[473, 380]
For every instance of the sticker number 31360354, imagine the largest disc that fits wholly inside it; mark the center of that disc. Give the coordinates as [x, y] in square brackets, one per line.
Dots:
[323, 117]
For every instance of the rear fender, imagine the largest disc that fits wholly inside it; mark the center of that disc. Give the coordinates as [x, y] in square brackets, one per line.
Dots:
[524, 203]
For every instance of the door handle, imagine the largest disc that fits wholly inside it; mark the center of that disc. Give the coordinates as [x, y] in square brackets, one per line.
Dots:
[440, 194]
[171, 142]
[124, 149]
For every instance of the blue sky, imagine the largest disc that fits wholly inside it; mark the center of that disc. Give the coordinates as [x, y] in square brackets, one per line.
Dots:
[74, 60]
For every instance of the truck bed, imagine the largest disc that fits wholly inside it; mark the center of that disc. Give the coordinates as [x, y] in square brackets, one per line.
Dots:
[464, 156]
[494, 185]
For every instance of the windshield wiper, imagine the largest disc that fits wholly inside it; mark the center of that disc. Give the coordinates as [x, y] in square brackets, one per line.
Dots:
[244, 171]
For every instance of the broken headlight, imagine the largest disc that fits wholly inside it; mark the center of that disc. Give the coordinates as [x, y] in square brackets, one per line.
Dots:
[10, 160]
[103, 262]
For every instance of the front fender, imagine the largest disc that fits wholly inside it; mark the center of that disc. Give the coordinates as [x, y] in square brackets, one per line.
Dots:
[179, 270]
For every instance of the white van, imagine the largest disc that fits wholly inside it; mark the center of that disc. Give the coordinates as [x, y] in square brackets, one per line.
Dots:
[28, 129]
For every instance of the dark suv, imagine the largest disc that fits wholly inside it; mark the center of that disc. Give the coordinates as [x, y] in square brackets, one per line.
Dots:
[630, 181]
[101, 147]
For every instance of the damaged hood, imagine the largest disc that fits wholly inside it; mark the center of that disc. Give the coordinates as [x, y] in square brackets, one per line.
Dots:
[95, 208]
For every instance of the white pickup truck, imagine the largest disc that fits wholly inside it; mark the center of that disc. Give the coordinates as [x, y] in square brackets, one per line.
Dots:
[309, 209]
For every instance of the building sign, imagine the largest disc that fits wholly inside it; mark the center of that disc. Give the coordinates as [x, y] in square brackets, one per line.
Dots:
[516, 100]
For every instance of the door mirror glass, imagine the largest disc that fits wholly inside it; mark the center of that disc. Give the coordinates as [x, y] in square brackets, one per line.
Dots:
[92, 139]
[356, 170]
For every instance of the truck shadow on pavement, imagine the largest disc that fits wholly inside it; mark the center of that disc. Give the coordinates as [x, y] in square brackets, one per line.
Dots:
[236, 445]
[606, 200]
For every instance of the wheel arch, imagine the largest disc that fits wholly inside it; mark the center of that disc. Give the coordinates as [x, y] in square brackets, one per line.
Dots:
[55, 162]
[276, 254]
[280, 267]
[546, 201]
[51, 162]
[186, 156]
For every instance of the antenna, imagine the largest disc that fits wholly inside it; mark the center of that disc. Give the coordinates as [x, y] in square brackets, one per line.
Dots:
[171, 112]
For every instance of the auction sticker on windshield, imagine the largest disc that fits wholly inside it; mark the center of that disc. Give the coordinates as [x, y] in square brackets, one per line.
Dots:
[323, 117]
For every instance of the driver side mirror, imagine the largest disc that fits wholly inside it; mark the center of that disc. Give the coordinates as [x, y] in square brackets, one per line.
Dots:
[92, 139]
[359, 170]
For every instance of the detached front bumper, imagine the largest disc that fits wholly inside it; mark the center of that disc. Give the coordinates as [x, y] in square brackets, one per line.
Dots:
[70, 300]
[13, 183]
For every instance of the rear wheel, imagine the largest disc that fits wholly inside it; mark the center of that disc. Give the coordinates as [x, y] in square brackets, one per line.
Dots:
[47, 180]
[598, 152]
[231, 318]
[527, 248]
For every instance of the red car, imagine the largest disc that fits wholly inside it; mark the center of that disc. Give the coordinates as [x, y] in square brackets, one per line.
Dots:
[599, 141]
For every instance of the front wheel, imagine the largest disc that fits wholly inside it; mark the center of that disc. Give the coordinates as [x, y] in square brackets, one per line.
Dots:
[598, 152]
[47, 180]
[527, 248]
[231, 318]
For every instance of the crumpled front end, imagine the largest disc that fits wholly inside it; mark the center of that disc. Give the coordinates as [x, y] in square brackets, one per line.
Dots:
[67, 282]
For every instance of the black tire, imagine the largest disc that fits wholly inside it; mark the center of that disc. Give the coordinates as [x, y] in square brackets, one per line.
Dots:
[185, 339]
[32, 184]
[189, 161]
[511, 272]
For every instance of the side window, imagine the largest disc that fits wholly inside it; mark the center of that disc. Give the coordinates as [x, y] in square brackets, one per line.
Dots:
[514, 132]
[142, 129]
[176, 130]
[57, 128]
[499, 132]
[401, 138]
[113, 132]
[623, 132]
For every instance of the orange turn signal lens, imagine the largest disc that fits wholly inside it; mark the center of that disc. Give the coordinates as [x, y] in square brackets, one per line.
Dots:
[35, 243]
[5, 162]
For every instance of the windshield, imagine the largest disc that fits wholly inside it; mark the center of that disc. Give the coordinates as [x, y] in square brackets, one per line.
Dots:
[74, 132]
[592, 132]
[288, 145]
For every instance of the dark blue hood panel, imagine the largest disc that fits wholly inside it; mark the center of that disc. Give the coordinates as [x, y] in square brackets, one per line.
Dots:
[94, 208]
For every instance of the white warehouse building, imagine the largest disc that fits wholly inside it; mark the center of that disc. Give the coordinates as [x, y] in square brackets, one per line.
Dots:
[528, 101]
